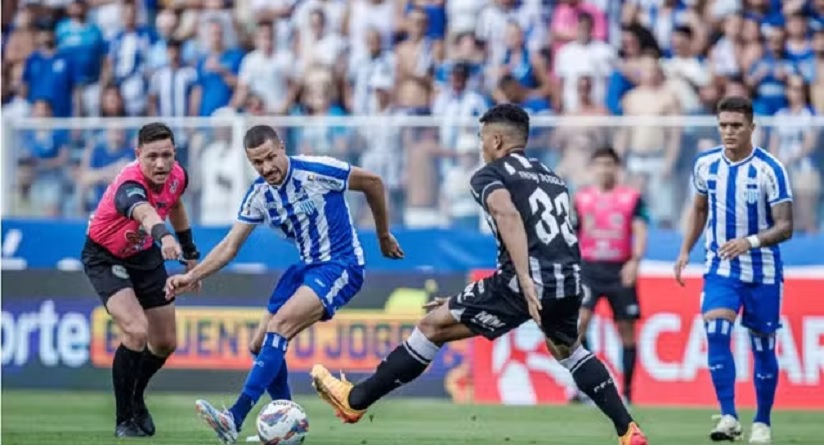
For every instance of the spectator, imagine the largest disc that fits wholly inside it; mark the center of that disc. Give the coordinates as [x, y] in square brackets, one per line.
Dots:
[24, 202]
[574, 144]
[583, 57]
[126, 64]
[512, 91]
[223, 175]
[383, 153]
[333, 13]
[798, 47]
[359, 96]
[216, 11]
[662, 17]
[418, 54]
[14, 105]
[725, 55]
[685, 71]
[753, 43]
[465, 48]
[650, 150]
[456, 104]
[84, 48]
[266, 72]
[816, 73]
[48, 76]
[768, 75]
[166, 24]
[216, 73]
[21, 42]
[318, 96]
[435, 11]
[635, 41]
[565, 26]
[170, 89]
[363, 16]
[491, 28]
[794, 138]
[527, 68]
[457, 202]
[100, 164]
[278, 13]
[50, 152]
[321, 46]
[462, 15]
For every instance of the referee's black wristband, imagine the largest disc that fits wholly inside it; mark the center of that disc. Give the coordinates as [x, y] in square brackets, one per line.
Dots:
[187, 244]
[159, 230]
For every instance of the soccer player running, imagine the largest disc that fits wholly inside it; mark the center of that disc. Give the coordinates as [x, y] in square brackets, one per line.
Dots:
[301, 197]
[745, 193]
[527, 207]
[611, 222]
[125, 266]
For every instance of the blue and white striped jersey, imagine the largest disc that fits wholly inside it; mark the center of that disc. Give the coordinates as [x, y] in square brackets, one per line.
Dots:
[308, 207]
[740, 196]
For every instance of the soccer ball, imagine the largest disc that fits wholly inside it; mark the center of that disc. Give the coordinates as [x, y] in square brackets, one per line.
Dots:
[282, 422]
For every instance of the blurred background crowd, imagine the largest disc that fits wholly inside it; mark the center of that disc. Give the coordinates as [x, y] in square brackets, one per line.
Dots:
[449, 59]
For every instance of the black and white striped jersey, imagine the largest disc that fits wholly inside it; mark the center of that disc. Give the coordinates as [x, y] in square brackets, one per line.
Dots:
[542, 199]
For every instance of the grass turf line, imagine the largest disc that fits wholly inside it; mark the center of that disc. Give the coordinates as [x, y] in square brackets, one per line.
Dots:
[52, 418]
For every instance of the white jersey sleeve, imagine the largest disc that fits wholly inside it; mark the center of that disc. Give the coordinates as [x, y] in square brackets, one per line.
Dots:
[253, 207]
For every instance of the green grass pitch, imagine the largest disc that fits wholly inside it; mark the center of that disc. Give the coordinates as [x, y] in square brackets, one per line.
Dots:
[52, 418]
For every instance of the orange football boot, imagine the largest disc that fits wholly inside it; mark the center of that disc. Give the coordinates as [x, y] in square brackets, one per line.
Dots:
[634, 436]
[336, 393]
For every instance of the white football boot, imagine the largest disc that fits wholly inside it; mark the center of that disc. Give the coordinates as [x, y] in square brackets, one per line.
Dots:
[221, 421]
[761, 434]
[728, 428]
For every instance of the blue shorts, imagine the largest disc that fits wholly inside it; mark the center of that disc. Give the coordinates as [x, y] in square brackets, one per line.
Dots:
[334, 282]
[761, 302]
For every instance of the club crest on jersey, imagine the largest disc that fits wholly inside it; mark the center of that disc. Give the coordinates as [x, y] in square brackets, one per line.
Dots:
[306, 206]
[174, 185]
[752, 192]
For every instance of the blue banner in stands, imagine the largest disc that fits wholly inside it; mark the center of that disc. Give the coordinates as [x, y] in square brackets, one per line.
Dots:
[52, 244]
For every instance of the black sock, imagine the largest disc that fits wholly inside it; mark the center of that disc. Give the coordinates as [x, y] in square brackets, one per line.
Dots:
[404, 364]
[628, 359]
[123, 377]
[149, 365]
[592, 377]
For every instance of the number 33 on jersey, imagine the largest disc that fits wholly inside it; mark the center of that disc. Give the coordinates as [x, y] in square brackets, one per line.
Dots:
[542, 200]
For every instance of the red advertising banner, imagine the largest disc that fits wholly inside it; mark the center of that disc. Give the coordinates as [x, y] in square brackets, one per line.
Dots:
[672, 364]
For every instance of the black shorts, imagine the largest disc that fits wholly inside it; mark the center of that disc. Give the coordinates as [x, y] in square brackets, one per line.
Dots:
[604, 280]
[145, 273]
[490, 308]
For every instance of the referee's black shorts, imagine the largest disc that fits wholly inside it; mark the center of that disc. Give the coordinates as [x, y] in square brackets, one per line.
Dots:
[144, 272]
[604, 280]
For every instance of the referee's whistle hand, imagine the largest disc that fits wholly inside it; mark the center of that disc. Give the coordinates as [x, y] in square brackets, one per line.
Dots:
[170, 248]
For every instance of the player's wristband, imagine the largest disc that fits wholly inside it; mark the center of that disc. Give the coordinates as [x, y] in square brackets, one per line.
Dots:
[159, 230]
[187, 245]
[754, 241]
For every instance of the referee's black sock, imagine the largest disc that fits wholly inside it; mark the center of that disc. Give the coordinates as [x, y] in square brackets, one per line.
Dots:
[404, 364]
[628, 360]
[592, 377]
[123, 378]
[149, 365]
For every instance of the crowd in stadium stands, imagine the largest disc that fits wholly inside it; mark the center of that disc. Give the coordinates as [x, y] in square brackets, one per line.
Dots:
[448, 58]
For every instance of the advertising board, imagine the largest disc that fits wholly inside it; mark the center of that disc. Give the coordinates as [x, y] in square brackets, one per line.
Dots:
[57, 335]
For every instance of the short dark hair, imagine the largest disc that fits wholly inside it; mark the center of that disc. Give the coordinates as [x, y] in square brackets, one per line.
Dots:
[258, 135]
[606, 152]
[584, 16]
[683, 29]
[736, 104]
[508, 114]
[155, 131]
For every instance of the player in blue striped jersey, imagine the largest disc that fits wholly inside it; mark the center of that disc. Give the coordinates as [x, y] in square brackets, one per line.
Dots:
[743, 205]
[302, 198]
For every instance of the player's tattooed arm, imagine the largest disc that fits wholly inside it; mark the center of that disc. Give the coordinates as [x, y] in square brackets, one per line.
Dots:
[782, 228]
